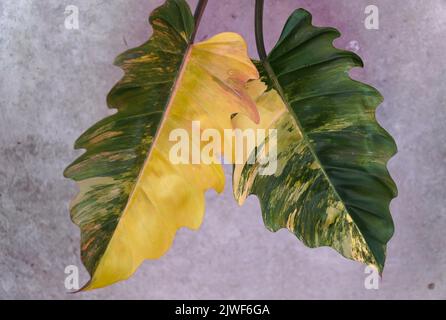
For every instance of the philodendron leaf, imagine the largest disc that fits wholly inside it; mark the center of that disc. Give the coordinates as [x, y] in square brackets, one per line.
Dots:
[331, 186]
[132, 197]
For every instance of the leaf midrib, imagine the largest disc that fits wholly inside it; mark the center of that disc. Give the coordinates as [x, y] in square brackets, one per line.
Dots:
[164, 116]
[169, 103]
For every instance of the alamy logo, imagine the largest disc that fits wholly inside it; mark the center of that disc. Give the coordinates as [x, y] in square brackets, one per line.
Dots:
[72, 278]
[72, 17]
[371, 282]
[239, 147]
[371, 22]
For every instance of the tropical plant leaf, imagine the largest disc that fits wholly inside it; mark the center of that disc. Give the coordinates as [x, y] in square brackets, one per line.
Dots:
[132, 198]
[331, 187]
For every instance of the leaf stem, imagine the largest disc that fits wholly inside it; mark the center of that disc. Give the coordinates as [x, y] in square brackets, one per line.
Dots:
[201, 6]
[276, 85]
[259, 30]
[261, 48]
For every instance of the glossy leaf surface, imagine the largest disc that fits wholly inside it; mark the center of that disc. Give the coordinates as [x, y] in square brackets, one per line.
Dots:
[331, 187]
[132, 198]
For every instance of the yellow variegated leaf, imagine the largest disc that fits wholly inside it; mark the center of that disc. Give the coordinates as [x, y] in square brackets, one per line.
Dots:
[331, 186]
[132, 197]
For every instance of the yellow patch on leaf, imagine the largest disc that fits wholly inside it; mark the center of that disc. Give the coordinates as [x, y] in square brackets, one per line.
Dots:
[210, 88]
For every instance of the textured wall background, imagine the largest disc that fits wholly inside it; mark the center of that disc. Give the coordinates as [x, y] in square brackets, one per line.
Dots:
[53, 85]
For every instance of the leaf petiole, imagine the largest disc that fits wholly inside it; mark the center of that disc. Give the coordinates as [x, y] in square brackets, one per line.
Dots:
[201, 7]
